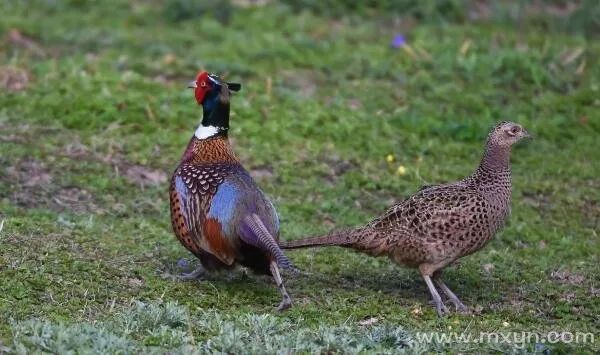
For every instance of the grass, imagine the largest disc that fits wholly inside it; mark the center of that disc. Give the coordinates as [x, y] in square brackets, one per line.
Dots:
[94, 115]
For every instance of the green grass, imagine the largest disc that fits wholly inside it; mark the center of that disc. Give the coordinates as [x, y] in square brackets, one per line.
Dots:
[104, 117]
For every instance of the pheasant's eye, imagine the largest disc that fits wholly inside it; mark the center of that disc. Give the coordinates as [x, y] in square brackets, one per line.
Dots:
[513, 131]
[203, 84]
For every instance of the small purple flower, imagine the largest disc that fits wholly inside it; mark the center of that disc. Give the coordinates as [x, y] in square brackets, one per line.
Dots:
[182, 263]
[398, 41]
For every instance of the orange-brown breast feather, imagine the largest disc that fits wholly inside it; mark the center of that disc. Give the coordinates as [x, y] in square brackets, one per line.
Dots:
[212, 150]
[217, 242]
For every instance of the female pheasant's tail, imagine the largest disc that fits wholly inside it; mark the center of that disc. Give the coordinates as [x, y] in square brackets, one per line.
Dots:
[340, 238]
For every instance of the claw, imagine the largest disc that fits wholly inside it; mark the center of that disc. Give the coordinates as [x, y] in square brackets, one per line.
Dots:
[286, 303]
[441, 309]
[194, 275]
[460, 307]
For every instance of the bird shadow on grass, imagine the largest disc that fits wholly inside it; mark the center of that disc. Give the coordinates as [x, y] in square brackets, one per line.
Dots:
[404, 285]
[358, 277]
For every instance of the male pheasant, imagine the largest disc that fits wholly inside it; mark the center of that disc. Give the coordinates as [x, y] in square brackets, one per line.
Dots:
[217, 211]
[440, 223]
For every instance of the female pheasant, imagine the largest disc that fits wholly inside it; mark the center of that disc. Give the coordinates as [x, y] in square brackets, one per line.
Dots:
[440, 223]
[217, 211]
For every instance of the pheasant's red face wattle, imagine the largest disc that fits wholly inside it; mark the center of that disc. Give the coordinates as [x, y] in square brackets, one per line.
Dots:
[202, 86]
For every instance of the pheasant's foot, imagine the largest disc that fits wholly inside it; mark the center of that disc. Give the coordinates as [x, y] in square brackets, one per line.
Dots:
[441, 308]
[435, 296]
[286, 303]
[460, 307]
[194, 275]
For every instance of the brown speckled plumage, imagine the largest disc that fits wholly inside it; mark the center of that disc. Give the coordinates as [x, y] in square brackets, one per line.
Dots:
[440, 223]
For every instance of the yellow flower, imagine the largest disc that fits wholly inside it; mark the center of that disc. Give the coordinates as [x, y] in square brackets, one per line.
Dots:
[390, 158]
[401, 170]
[505, 324]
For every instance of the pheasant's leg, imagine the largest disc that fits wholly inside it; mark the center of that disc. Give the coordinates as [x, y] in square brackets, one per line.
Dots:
[286, 302]
[437, 300]
[194, 275]
[451, 296]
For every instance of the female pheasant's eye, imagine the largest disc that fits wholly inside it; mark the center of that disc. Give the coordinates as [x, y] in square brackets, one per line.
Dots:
[515, 130]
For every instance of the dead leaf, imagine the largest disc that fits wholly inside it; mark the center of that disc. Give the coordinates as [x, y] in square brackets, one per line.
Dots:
[568, 296]
[75, 199]
[464, 48]
[75, 149]
[580, 69]
[134, 282]
[567, 277]
[522, 244]
[571, 56]
[29, 173]
[268, 86]
[488, 268]
[13, 78]
[169, 58]
[417, 311]
[328, 221]
[17, 38]
[139, 174]
[34, 187]
[13, 138]
[368, 321]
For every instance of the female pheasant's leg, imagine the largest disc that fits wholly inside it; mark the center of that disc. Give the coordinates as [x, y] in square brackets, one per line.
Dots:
[286, 302]
[437, 300]
[451, 296]
[194, 275]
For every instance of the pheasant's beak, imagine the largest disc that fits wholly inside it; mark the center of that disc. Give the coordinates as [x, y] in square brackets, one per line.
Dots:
[526, 134]
[192, 84]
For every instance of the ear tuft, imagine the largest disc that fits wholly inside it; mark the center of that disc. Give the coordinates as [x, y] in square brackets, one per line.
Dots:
[234, 86]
